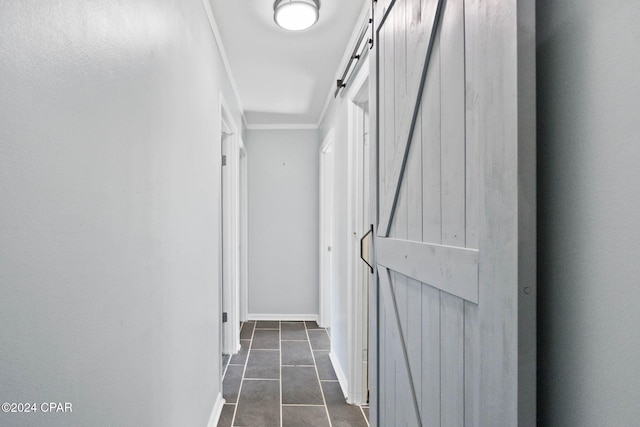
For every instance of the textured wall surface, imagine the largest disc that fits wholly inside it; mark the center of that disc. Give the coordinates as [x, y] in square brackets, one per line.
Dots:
[589, 200]
[283, 222]
[109, 184]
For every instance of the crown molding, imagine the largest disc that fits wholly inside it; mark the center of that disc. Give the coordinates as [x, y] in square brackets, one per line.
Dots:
[223, 54]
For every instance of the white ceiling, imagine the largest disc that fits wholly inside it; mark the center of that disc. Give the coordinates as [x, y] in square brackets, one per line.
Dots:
[284, 77]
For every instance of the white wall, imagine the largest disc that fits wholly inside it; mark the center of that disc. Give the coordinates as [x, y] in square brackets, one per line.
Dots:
[283, 222]
[589, 204]
[109, 183]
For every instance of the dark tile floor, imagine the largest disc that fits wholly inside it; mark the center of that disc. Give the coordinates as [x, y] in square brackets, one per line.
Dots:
[283, 377]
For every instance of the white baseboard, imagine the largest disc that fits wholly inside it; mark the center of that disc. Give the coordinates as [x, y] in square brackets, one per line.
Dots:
[217, 410]
[285, 317]
[342, 378]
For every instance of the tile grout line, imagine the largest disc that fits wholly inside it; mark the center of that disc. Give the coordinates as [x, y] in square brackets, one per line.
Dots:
[298, 366]
[225, 368]
[246, 362]
[315, 364]
[280, 367]
[303, 405]
[364, 416]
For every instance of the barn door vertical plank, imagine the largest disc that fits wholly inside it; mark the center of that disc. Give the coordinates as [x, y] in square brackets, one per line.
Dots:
[494, 29]
[431, 363]
[453, 123]
[374, 129]
[473, 196]
[387, 142]
[471, 364]
[387, 107]
[452, 356]
[414, 233]
[388, 368]
[380, 124]
[399, 220]
[527, 236]
[414, 160]
[375, 124]
[401, 98]
[385, 410]
[431, 150]
[432, 233]
[382, 7]
[453, 169]
[406, 408]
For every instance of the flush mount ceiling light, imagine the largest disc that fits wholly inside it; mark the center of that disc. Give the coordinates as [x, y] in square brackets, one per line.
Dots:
[296, 15]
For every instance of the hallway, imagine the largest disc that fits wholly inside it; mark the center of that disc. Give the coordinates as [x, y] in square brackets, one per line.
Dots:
[283, 377]
[450, 187]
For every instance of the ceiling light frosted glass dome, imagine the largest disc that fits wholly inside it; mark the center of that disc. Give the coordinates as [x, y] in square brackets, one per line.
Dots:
[295, 15]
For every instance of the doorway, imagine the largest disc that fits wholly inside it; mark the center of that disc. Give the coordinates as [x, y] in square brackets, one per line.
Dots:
[243, 234]
[230, 257]
[326, 229]
[359, 223]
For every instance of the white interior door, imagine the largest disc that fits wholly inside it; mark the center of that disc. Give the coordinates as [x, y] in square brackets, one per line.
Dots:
[226, 253]
[326, 230]
[366, 222]
[454, 294]
[230, 232]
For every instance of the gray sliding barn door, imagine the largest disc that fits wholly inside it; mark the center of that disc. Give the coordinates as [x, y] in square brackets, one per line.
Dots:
[454, 301]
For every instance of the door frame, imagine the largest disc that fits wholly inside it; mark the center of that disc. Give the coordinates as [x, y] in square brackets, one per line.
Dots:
[326, 229]
[243, 232]
[357, 295]
[229, 254]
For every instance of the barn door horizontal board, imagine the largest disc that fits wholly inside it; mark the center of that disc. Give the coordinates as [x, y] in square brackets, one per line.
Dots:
[450, 269]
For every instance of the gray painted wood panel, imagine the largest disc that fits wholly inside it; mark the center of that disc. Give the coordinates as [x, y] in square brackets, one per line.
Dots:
[527, 214]
[387, 363]
[414, 233]
[452, 360]
[413, 335]
[472, 221]
[387, 119]
[414, 184]
[431, 150]
[389, 190]
[400, 96]
[450, 269]
[492, 32]
[432, 232]
[453, 167]
[453, 123]
[406, 410]
[454, 183]
[400, 100]
[374, 324]
[471, 364]
[430, 356]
